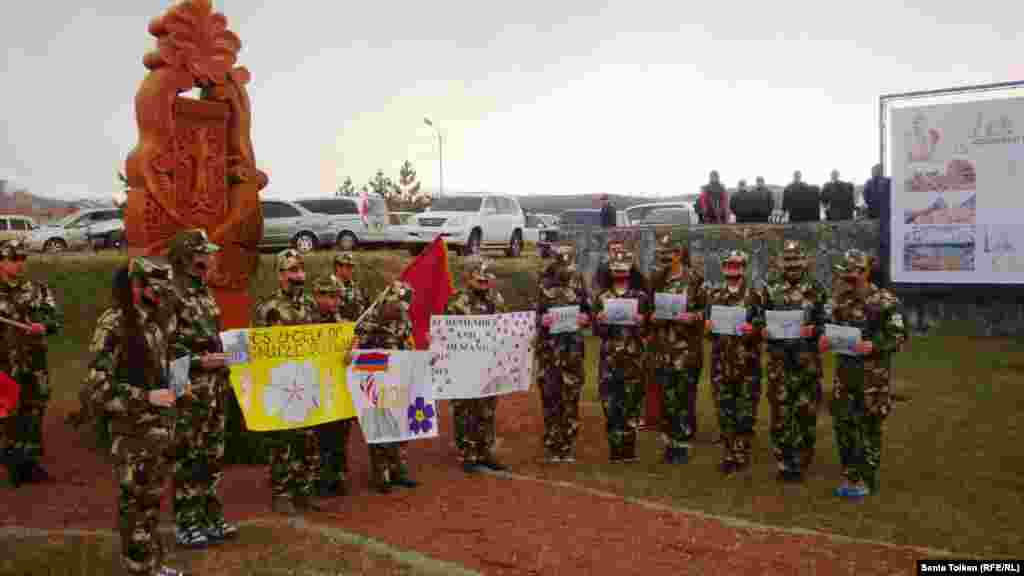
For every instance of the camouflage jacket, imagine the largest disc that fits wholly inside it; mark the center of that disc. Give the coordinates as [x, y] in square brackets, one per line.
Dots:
[283, 309]
[878, 314]
[680, 344]
[353, 301]
[109, 389]
[198, 332]
[375, 332]
[553, 293]
[737, 351]
[621, 343]
[470, 303]
[26, 301]
[808, 295]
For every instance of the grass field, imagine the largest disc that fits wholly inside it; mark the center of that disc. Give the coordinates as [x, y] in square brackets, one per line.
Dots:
[952, 472]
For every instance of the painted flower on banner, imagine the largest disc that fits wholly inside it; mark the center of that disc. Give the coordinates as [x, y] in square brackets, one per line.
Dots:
[421, 416]
[293, 391]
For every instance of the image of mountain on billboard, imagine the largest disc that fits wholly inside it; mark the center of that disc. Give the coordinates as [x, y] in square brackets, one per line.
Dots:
[939, 249]
[941, 212]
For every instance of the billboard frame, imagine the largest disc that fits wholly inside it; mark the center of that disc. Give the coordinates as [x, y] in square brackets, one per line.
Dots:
[938, 289]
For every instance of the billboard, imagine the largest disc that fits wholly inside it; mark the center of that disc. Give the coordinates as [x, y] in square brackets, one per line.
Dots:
[957, 196]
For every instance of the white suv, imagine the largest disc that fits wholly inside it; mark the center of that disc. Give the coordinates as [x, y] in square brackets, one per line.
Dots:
[469, 223]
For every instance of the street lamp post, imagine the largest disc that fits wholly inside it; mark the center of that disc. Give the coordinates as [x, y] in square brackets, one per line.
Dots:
[440, 153]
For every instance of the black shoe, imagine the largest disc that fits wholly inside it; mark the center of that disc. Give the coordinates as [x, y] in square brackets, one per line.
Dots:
[470, 467]
[325, 490]
[405, 482]
[492, 464]
[16, 472]
[790, 476]
[727, 468]
[34, 472]
[382, 488]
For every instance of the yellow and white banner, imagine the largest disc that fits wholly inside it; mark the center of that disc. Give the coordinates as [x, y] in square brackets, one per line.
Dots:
[288, 377]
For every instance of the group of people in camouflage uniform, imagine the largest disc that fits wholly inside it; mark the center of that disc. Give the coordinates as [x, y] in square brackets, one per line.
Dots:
[861, 390]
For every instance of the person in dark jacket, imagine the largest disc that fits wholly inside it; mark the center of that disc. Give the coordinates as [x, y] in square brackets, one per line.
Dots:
[837, 197]
[877, 191]
[713, 204]
[801, 201]
[752, 206]
[608, 214]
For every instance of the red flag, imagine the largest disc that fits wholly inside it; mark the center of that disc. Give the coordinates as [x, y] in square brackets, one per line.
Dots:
[431, 281]
[9, 390]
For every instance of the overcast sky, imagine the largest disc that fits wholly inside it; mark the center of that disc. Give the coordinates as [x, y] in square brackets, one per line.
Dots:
[629, 97]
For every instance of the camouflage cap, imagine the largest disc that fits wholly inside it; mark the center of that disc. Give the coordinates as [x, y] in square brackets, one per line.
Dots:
[478, 267]
[344, 259]
[288, 258]
[855, 260]
[621, 261]
[327, 284]
[146, 268]
[12, 248]
[735, 256]
[192, 241]
[793, 253]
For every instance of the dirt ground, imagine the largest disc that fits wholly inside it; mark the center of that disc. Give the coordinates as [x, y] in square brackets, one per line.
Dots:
[494, 525]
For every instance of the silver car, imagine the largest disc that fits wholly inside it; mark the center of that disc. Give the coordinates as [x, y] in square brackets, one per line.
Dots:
[352, 230]
[289, 224]
[78, 230]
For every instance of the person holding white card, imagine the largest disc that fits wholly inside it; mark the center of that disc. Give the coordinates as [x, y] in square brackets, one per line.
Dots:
[679, 349]
[861, 392]
[563, 308]
[622, 349]
[794, 312]
[735, 359]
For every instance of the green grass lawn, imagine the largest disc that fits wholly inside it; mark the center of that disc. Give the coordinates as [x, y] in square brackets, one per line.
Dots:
[952, 472]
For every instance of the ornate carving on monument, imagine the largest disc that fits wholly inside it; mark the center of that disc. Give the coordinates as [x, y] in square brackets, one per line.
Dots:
[193, 165]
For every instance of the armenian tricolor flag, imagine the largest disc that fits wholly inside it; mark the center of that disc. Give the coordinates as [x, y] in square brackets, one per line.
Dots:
[371, 362]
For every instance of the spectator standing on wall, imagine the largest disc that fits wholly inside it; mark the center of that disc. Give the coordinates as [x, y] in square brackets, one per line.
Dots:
[756, 205]
[837, 197]
[801, 201]
[608, 214]
[877, 191]
[738, 201]
[713, 204]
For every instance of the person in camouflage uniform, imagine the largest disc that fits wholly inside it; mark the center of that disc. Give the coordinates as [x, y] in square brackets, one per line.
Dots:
[622, 347]
[332, 437]
[861, 392]
[474, 418]
[560, 356]
[736, 363]
[199, 432]
[353, 302]
[679, 352]
[794, 366]
[24, 360]
[294, 454]
[388, 327]
[128, 381]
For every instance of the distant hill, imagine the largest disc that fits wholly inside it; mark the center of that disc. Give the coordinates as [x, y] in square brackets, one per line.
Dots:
[41, 208]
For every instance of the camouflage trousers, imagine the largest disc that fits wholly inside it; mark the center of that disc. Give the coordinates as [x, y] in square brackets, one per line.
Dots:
[736, 404]
[794, 393]
[198, 458]
[621, 403]
[141, 467]
[24, 428]
[294, 462]
[333, 440]
[474, 427]
[858, 430]
[679, 390]
[387, 463]
[560, 400]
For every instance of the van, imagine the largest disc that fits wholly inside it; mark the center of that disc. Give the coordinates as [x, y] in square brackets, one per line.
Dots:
[343, 212]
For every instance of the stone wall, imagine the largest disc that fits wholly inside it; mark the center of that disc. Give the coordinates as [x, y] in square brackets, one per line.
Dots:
[991, 312]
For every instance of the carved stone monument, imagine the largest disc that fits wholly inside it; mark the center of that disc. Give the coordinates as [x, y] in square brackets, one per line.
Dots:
[193, 166]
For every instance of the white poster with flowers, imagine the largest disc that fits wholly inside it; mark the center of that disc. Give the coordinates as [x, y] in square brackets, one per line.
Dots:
[481, 356]
[392, 395]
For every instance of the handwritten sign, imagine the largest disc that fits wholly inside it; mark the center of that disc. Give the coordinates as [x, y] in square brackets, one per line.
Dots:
[478, 356]
[236, 346]
[842, 339]
[566, 319]
[621, 311]
[668, 306]
[728, 320]
[784, 324]
[392, 395]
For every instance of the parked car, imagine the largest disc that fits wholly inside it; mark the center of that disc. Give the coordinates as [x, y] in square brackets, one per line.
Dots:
[289, 224]
[640, 214]
[13, 226]
[343, 213]
[469, 223]
[398, 230]
[101, 227]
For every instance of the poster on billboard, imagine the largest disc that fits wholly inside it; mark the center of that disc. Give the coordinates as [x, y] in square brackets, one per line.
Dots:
[957, 198]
